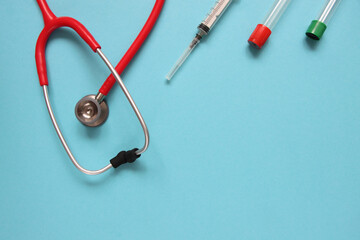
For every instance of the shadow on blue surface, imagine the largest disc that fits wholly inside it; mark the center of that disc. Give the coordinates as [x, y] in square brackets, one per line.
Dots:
[311, 44]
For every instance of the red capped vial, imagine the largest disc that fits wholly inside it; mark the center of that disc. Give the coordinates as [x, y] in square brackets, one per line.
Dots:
[263, 31]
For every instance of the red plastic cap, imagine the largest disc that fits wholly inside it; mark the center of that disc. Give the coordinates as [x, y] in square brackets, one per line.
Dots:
[260, 35]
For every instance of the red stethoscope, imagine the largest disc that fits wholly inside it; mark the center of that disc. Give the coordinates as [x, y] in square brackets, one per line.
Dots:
[92, 110]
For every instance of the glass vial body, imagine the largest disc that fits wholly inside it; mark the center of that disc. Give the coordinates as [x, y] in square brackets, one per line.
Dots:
[328, 11]
[275, 13]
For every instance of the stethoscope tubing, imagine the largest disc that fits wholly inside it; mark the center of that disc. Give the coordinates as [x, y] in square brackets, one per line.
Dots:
[132, 103]
[135, 46]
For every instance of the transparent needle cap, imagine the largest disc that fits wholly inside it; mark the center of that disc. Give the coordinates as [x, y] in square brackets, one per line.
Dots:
[182, 59]
[203, 29]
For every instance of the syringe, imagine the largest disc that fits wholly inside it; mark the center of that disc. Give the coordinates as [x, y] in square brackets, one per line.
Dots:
[203, 29]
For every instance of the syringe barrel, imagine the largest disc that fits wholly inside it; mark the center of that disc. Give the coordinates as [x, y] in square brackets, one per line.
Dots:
[275, 13]
[215, 13]
[328, 11]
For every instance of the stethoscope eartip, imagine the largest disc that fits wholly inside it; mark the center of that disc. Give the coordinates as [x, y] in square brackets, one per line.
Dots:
[91, 111]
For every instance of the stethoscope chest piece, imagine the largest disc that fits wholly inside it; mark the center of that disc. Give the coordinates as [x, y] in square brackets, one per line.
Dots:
[92, 111]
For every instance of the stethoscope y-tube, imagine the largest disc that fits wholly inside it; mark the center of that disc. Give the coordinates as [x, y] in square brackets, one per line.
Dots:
[52, 23]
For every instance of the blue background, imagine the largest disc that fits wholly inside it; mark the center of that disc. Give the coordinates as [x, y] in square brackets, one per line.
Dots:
[245, 144]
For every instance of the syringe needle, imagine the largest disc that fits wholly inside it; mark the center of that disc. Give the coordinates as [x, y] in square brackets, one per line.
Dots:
[182, 59]
[203, 30]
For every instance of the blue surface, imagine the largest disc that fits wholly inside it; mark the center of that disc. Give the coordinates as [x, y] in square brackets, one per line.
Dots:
[245, 144]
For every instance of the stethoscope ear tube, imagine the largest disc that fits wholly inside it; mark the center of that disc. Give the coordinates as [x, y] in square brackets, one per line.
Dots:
[131, 101]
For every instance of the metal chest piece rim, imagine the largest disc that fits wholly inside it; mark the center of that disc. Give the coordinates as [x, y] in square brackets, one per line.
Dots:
[92, 110]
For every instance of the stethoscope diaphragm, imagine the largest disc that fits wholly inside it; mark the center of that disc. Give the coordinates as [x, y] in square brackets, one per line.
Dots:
[92, 111]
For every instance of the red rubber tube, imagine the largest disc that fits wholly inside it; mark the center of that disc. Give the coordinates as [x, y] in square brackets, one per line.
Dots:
[145, 31]
[52, 23]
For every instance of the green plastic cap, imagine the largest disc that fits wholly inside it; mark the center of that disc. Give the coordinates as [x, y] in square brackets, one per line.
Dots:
[316, 30]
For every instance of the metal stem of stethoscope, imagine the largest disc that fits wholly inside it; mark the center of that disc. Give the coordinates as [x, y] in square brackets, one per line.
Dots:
[132, 103]
[130, 99]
